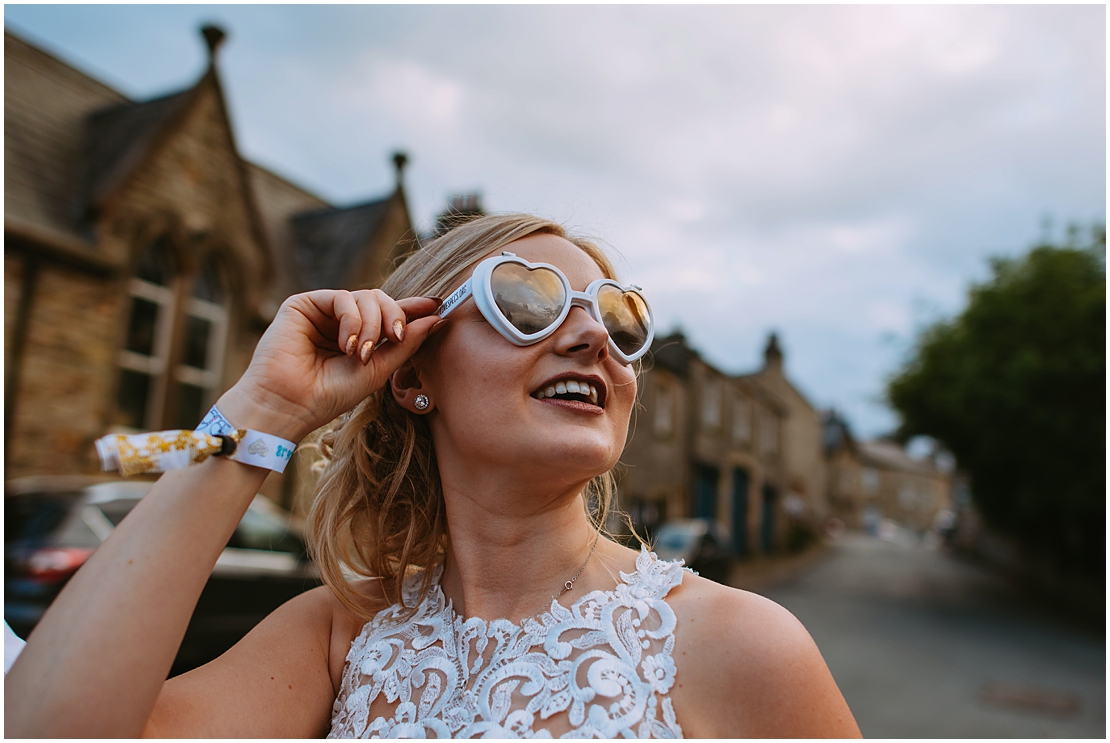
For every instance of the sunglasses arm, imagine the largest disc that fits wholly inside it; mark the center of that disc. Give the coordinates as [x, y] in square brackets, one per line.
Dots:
[457, 297]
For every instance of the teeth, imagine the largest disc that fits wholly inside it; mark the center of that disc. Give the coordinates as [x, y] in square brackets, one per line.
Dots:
[570, 387]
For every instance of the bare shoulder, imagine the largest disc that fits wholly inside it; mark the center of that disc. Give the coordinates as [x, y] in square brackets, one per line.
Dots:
[746, 667]
[278, 681]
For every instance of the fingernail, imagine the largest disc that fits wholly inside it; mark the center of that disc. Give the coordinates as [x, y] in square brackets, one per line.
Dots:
[437, 327]
[399, 330]
[352, 342]
[438, 301]
[367, 349]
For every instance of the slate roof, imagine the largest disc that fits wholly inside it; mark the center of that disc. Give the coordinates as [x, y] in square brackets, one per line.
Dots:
[119, 138]
[71, 140]
[889, 455]
[671, 352]
[331, 241]
[46, 102]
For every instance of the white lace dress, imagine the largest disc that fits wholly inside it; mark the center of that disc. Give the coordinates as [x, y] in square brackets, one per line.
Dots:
[599, 669]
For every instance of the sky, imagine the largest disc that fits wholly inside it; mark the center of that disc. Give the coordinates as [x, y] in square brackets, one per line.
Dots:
[837, 174]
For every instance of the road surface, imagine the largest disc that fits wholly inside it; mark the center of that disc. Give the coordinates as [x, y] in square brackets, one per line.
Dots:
[925, 644]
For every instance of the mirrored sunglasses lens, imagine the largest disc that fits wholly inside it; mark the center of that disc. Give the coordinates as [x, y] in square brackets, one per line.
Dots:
[625, 316]
[530, 299]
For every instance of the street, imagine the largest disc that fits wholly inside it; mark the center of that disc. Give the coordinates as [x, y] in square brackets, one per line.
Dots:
[925, 644]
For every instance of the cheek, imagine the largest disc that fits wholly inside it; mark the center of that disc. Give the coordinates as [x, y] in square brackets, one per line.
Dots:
[624, 390]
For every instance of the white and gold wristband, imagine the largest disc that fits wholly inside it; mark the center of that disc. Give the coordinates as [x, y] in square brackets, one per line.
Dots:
[160, 451]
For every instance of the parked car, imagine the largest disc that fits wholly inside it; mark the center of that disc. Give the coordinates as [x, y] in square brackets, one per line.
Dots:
[53, 524]
[703, 543]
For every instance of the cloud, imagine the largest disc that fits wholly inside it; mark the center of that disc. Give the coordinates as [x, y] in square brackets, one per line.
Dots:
[827, 171]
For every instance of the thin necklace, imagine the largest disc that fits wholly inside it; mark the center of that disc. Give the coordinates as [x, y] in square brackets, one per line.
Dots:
[570, 583]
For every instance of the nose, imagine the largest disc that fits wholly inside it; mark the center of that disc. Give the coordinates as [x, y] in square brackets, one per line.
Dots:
[581, 335]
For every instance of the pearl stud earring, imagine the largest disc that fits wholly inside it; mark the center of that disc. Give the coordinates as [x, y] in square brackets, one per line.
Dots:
[421, 402]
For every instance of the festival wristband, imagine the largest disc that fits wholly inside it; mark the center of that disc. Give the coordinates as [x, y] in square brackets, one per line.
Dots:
[254, 448]
[160, 451]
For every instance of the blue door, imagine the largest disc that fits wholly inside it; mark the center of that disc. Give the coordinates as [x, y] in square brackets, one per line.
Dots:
[767, 525]
[740, 482]
[706, 478]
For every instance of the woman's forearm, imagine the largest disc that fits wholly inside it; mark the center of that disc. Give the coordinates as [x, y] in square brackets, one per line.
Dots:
[94, 665]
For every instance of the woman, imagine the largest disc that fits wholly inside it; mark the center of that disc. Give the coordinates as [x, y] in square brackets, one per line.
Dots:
[457, 487]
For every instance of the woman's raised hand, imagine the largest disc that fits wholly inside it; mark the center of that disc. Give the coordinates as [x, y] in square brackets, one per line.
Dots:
[318, 359]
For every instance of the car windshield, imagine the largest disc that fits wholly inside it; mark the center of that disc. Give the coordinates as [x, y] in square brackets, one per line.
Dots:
[115, 510]
[33, 517]
[260, 530]
[58, 518]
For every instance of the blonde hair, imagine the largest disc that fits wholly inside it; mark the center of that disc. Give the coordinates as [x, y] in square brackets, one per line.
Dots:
[378, 509]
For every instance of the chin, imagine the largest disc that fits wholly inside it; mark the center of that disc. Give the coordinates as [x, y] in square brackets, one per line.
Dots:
[587, 459]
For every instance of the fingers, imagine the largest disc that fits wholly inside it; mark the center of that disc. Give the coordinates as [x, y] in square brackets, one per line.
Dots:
[374, 318]
[392, 355]
[361, 320]
[417, 307]
[346, 310]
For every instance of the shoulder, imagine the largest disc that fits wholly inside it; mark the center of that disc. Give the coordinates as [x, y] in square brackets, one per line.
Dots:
[333, 626]
[747, 667]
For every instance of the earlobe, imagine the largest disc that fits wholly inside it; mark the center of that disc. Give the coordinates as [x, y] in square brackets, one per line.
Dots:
[408, 390]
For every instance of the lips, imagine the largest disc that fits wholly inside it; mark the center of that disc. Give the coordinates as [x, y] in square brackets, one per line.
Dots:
[588, 390]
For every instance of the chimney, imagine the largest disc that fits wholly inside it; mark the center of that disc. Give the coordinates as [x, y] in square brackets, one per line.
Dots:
[400, 160]
[213, 37]
[772, 355]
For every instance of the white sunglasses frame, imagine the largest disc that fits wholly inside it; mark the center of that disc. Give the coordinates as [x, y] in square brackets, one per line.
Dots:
[484, 300]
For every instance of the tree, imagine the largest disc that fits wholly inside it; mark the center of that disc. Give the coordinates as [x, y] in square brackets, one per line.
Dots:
[1015, 388]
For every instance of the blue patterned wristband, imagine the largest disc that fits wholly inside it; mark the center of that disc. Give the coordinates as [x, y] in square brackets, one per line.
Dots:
[255, 448]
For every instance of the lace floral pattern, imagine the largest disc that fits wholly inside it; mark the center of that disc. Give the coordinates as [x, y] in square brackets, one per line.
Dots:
[599, 669]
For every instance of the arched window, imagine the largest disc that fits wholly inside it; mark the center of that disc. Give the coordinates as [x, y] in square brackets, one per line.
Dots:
[202, 356]
[174, 320]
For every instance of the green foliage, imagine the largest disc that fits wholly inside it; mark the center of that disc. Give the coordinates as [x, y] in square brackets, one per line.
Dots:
[1015, 388]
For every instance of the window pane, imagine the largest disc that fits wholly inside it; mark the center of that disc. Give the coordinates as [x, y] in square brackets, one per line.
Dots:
[154, 264]
[141, 326]
[197, 332]
[189, 402]
[134, 391]
[208, 285]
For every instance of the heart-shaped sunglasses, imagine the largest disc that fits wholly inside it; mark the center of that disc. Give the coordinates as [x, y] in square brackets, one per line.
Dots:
[527, 302]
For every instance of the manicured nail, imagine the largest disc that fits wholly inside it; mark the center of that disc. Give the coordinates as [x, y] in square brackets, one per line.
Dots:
[437, 327]
[437, 300]
[399, 330]
[352, 343]
[367, 349]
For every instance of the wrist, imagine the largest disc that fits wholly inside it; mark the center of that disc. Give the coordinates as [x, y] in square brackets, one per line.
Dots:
[246, 406]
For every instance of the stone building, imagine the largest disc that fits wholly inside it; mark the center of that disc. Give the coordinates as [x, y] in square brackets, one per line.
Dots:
[705, 444]
[144, 257]
[901, 488]
[874, 480]
[803, 456]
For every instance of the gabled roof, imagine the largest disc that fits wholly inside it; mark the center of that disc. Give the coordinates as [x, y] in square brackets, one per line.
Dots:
[46, 102]
[836, 433]
[888, 455]
[119, 138]
[331, 241]
[672, 353]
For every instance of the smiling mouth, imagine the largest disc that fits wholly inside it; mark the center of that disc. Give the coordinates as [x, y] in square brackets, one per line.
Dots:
[570, 390]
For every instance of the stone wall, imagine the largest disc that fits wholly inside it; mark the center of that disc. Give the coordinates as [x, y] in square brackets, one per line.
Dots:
[66, 375]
